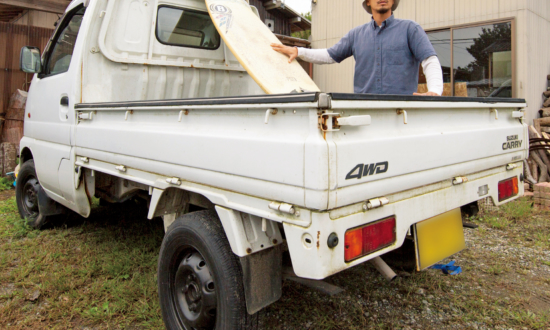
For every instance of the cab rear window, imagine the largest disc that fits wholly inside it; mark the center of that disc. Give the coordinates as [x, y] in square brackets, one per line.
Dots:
[186, 28]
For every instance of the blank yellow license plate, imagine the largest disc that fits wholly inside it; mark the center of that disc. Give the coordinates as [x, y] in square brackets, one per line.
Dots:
[438, 238]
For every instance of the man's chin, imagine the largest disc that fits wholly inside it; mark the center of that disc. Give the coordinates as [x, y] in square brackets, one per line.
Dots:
[382, 11]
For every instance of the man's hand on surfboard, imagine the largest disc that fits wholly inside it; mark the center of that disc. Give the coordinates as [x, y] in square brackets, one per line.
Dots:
[291, 52]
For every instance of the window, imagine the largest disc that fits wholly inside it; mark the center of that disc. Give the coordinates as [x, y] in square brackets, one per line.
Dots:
[441, 40]
[480, 57]
[62, 46]
[188, 28]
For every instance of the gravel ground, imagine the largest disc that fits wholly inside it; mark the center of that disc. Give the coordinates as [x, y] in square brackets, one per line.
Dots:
[505, 284]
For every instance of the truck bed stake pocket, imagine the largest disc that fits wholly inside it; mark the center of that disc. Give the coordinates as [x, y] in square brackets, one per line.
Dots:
[510, 167]
[376, 203]
[460, 180]
[283, 207]
[174, 181]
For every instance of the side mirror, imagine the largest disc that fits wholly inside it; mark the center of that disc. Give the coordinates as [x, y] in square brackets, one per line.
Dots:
[30, 61]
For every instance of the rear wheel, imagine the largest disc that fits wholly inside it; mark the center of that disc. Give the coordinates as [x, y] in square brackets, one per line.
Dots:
[199, 277]
[26, 195]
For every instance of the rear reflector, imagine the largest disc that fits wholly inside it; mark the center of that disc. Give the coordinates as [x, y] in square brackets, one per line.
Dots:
[507, 189]
[368, 239]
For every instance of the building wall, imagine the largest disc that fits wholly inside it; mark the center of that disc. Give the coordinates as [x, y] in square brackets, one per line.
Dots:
[37, 18]
[332, 19]
[282, 24]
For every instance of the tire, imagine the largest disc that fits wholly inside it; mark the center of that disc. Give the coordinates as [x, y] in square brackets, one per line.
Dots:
[199, 278]
[26, 196]
[469, 210]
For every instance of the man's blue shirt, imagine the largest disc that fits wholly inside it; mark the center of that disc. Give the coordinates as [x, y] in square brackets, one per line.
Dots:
[387, 58]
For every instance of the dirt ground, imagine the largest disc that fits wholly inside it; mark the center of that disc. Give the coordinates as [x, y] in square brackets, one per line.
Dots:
[100, 273]
[6, 194]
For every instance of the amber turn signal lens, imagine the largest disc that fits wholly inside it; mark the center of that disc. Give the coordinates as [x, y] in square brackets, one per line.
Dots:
[354, 243]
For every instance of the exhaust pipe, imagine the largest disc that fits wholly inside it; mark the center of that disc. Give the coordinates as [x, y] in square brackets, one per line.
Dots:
[383, 268]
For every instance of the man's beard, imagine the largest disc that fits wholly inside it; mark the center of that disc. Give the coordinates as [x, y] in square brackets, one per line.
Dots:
[382, 11]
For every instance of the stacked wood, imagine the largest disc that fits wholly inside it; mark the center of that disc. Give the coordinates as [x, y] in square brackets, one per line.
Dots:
[537, 167]
[542, 196]
[461, 89]
[12, 130]
[8, 156]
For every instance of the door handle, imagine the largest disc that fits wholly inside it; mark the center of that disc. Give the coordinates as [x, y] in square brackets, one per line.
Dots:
[64, 101]
[354, 121]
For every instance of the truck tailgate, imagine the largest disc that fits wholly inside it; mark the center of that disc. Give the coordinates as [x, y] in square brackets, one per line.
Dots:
[441, 139]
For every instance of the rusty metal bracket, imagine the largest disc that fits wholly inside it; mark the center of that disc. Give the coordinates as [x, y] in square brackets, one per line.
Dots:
[324, 117]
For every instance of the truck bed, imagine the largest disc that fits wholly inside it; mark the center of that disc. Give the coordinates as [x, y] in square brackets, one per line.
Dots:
[225, 142]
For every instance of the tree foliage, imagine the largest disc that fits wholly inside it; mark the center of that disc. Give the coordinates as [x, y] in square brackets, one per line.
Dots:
[303, 34]
[489, 39]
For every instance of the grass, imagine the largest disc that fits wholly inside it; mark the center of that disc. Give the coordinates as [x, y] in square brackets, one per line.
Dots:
[520, 222]
[101, 273]
[6, 184]
[508, 214]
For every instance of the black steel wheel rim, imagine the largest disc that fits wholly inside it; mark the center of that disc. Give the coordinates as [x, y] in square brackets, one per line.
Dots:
[193, 291]
[30, 197]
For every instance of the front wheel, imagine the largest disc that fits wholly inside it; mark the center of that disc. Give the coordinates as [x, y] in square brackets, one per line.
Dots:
[199, 277]
[26, 196]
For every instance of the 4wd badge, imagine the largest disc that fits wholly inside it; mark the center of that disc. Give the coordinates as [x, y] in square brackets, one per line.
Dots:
[362, 170]
[513, 142]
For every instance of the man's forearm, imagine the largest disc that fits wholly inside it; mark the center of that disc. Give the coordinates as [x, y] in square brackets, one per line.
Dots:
[434, 74]
[315, 56]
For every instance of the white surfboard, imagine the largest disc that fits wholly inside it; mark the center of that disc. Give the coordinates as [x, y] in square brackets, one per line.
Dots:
[249, 40]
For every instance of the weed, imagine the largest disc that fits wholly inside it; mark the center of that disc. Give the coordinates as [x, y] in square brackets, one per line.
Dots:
[6, 184]
[19, 228]
[99, 270]
[530, 319]
[497, 222]
[518, 211]
[496, 269]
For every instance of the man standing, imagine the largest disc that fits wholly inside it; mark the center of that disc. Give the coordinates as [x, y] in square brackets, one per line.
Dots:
[387, 52]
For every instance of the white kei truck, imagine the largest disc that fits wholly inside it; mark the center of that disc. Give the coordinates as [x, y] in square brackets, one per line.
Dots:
[142, 99]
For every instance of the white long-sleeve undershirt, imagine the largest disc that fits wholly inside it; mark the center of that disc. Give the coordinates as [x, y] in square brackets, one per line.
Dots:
[434, 74]
[431, 66]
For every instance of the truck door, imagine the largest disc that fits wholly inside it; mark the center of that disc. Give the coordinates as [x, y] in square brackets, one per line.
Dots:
[50, 107]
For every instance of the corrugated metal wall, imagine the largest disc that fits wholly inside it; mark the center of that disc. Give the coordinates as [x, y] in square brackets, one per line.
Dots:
[13, 37]
[333, 18]
[38, 19]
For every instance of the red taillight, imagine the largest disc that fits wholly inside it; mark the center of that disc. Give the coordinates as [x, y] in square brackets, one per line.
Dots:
[370, 238]
[507, 189]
